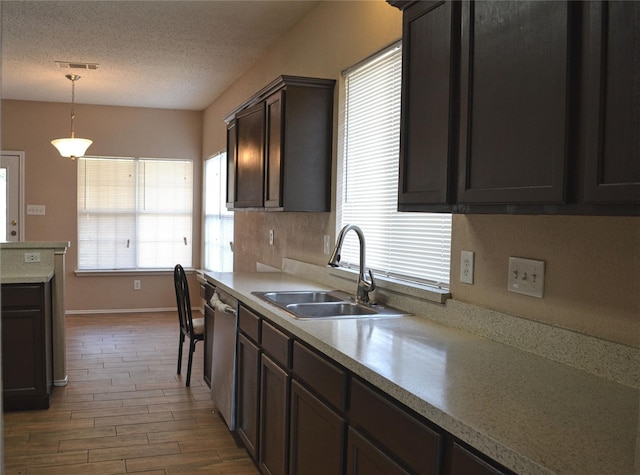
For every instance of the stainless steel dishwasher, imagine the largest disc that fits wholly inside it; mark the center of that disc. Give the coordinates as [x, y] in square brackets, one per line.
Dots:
[223, 372]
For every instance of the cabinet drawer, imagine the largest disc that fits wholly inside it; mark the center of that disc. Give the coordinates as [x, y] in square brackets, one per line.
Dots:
[21, 295]
[249, 323]
[463, 461]
[396, 430]
[321, 375]
[276, 344]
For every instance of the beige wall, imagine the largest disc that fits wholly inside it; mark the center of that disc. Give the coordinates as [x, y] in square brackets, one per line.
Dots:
[333, 37]
[50, 180]
[593, 264]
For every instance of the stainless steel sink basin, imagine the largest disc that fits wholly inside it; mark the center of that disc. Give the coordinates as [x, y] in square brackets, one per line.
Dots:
[329, 309]
[297, 297]
[318, 305]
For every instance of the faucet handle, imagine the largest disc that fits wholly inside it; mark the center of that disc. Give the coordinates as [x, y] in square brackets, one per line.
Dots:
[371, 285]
[364, 287]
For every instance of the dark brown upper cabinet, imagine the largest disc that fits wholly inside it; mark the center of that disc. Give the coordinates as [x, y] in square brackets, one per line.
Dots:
[612, 97]
[249, 170]
[429, 92]
[279, 144]
[514, 102]
[520, 107]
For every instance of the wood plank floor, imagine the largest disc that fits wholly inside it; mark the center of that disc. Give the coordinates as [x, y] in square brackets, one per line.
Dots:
[125, 410]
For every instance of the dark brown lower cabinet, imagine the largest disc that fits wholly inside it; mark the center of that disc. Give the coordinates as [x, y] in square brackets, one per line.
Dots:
[317, 435]
[27, 358]
[394, 430]
[248, 393]
[301, 413]
[364, 458]
[273, 442]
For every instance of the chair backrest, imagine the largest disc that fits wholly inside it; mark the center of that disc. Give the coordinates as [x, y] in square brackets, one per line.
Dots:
[183, 300]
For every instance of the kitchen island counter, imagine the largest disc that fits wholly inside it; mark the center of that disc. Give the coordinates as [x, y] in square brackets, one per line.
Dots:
[28, 262]
[529, 413]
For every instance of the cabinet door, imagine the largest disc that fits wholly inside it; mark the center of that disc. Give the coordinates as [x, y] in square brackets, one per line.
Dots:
[273, 158]
[27, 371]
[250, 157]
[429, 88]
[514, 102]
[232, 160]
[613, 103]
[274, 418]
[22, 352]
[364, 458]
[248, 393]
[317, 435]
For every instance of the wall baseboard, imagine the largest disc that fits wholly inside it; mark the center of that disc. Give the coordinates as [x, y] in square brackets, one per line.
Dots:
[129, 310]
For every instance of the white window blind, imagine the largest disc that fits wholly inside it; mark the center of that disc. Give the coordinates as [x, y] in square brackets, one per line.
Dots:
[407, 246]
[134, 213]
[218, 224]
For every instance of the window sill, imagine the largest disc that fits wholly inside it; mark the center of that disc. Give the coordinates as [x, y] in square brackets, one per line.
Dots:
[411, 289]
[343, 278]
[127, 272]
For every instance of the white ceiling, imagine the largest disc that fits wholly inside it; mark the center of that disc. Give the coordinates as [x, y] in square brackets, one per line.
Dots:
[165, 54]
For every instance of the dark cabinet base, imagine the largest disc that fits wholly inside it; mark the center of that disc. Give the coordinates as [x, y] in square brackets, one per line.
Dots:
[27, 358]
[24, 403]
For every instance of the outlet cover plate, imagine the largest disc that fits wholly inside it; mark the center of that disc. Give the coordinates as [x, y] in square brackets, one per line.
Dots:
[37, 210]
[32, 257]
[526, 276]
[466, 267]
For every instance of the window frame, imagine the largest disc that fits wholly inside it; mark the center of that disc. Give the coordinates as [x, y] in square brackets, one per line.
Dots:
[438, 286]
[187, 211]
[223, 213]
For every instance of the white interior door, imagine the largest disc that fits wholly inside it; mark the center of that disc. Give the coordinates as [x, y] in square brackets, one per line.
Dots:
[12, 196]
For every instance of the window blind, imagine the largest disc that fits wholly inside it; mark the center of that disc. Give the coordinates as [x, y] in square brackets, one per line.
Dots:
[134, 213]
[218, 225]
[406, 246]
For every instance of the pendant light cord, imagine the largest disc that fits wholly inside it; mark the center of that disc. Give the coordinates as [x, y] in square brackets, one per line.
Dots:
[73, 98]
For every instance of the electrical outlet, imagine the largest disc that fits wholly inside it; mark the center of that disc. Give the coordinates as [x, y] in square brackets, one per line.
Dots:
[271, 237]
[466, 267]
[137, 285]
[327, 244]
[526, 276]
[32, 257]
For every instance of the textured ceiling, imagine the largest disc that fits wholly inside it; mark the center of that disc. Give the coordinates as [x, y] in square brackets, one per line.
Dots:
[165, 54]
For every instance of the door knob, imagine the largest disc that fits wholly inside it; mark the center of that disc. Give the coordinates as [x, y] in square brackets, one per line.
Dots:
[13, 222]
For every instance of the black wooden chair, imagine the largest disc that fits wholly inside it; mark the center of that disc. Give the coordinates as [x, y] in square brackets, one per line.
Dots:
[192, 328]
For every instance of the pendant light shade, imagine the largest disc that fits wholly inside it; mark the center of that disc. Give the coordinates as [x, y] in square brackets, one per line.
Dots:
[72, 147]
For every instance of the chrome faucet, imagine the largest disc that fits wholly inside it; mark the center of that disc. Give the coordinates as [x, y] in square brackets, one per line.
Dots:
[364, 286]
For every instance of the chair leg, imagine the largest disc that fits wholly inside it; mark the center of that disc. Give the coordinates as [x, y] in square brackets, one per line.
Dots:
[192, 348]
[180, 352]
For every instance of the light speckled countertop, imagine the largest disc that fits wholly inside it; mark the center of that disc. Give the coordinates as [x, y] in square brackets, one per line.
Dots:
[529, 413]
[26, 277]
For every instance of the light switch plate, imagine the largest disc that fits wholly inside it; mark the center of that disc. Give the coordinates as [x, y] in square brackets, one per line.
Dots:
[526, 276]
[38, 210]
[466, 267]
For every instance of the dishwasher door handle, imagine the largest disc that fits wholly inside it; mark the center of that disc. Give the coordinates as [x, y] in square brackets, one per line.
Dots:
[220, 306]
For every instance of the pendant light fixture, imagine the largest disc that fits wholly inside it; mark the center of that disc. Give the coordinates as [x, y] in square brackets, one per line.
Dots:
[72, 147]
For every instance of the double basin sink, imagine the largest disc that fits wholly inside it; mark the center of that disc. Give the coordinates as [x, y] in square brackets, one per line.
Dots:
[312, 304]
